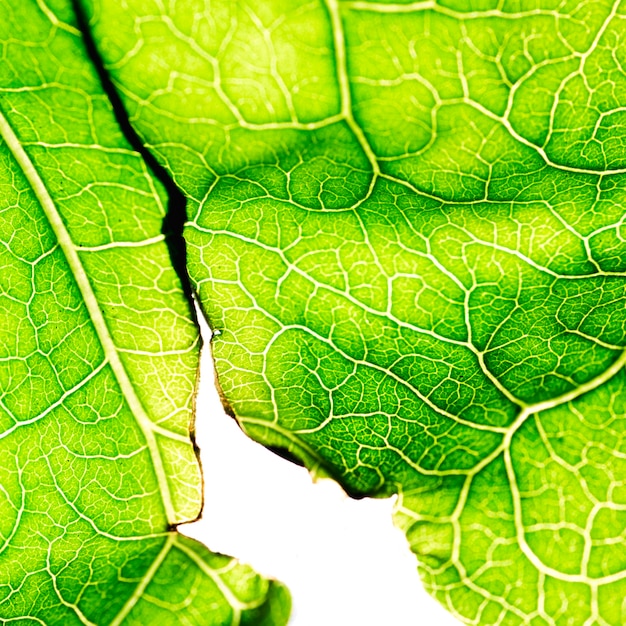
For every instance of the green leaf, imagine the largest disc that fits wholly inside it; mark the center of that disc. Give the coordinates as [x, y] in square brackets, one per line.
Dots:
[406, 221]
[98, 362]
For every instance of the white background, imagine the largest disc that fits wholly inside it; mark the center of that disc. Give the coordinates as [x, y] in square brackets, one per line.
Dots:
[343, 560]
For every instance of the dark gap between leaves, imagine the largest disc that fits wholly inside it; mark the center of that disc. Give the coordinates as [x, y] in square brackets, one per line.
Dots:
[176, 214]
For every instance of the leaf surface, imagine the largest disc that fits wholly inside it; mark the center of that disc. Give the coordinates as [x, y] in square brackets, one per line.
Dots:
[98, 363]
[406, 221]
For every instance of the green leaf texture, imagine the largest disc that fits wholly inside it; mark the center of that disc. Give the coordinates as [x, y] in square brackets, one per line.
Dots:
[98, 361]
[407, 223]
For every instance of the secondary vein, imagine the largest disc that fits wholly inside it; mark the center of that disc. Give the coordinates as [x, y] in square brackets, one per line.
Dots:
[93, 307]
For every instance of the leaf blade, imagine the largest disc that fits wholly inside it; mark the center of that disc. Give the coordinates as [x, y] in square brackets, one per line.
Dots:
[405, 331]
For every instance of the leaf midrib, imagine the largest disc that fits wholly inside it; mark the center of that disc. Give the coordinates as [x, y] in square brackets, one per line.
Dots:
[95, 313]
